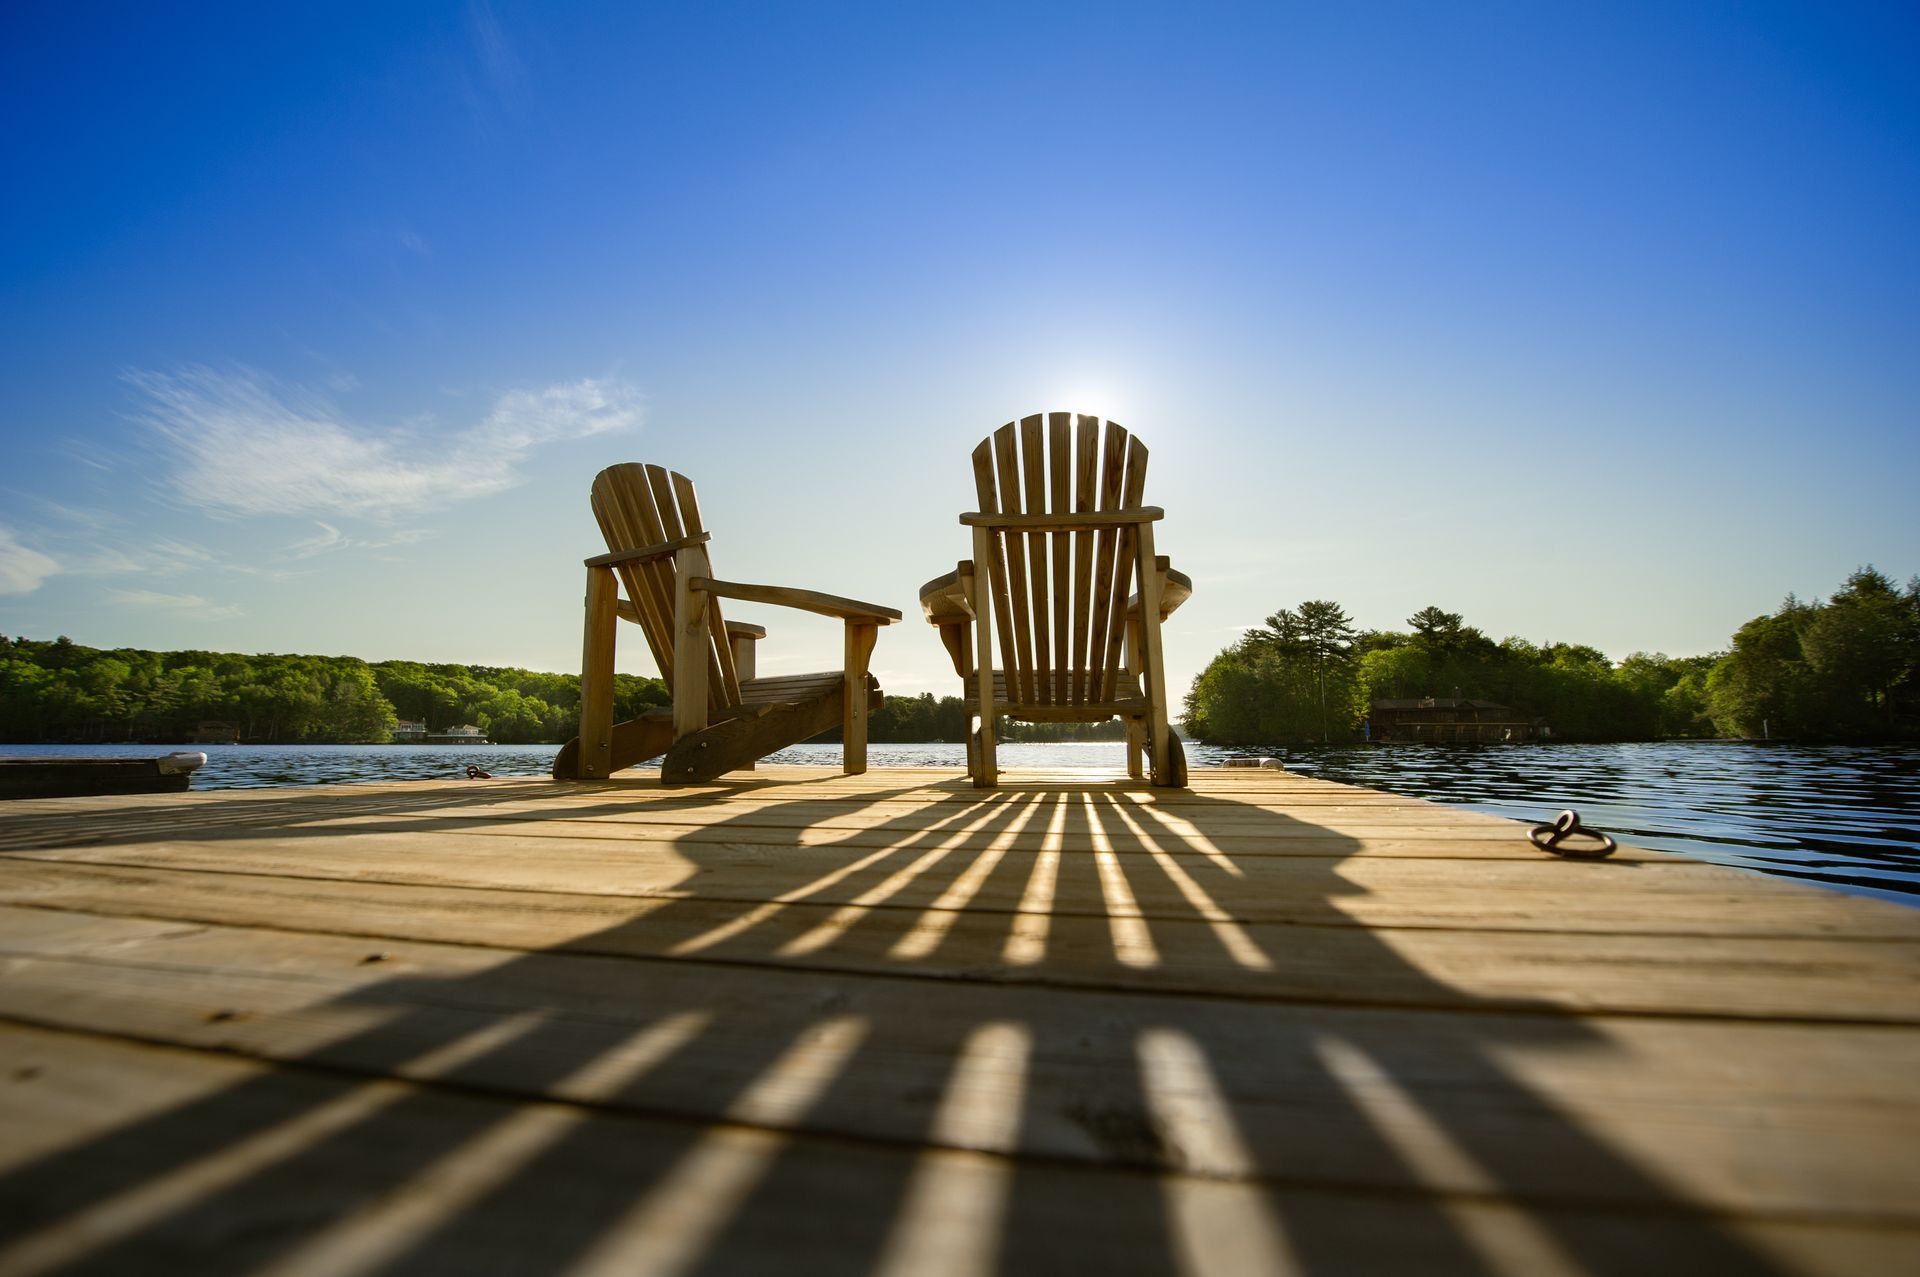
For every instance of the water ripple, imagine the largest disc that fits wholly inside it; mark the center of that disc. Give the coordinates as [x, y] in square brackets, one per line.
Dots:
[1844, 816]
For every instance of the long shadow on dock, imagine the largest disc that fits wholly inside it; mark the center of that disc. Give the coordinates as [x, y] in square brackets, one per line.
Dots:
[1029, 1032]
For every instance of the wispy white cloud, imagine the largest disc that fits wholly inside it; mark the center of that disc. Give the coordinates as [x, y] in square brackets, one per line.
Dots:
[95, 542]
[246, 444]
[195, 603]
[157, 556]
[22, 568]
[84, 518]
[328, 538]
[490, 77]
[498, 62]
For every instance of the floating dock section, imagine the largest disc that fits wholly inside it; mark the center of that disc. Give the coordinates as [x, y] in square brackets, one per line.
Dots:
[70, 776]
[806, 1023]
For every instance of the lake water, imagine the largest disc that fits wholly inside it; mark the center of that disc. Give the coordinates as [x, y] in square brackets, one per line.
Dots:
[1843, 816]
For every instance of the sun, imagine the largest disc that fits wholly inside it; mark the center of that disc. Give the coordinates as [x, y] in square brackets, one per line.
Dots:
[1088, 399]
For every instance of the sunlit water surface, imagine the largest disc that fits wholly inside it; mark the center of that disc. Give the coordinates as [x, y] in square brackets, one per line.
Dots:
[1844, 816]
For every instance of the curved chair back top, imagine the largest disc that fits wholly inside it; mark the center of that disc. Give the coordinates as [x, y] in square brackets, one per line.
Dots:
[638, 506]
[1059, 597]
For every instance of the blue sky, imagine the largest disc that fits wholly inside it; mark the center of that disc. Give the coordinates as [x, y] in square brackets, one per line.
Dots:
[1593, 323]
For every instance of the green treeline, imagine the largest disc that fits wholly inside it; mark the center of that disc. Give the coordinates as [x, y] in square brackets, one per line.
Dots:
[63, 692]
[1844, 669]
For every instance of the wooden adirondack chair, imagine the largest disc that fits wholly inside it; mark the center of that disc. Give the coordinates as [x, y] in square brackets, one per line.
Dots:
[722, 717]
[1059, 536]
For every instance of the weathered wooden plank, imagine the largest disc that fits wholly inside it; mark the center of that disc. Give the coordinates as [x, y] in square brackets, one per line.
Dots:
[250, 1165]
[992, 860]
[1785, 977]
[1251, 1007]
[919, 784]
[1360, 832]
[847, 829]
[1365, 1098]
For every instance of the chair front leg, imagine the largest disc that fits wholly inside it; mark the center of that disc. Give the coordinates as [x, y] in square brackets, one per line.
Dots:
[1136, 748]
[596, 675]
[744, 665]
[853, 704]
[1159, 767]
[692, 635]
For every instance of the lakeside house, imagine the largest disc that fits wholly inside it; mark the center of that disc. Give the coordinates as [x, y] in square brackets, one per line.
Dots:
[1446, 719]
[212, 732]
[410, 731]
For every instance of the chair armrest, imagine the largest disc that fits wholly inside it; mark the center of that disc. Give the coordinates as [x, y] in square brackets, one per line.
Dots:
[648, 553]
[943, 601]
[735, 629]
[805, 600]
[1176, 589]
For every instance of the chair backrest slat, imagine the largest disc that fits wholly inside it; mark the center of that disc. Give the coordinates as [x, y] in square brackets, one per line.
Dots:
[1060, 598]
[1083, 503]
[1020, 653]
[986, 491]
[1033, 459]
[1124, 563]
[638, 506]
[723, 680]
[1112, 475]
[623, 507]
[1059, 445]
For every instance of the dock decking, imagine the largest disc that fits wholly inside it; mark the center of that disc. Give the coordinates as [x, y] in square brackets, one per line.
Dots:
[806, 1023]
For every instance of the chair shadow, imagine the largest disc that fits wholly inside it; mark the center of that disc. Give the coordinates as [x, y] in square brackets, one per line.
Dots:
[1042, 1028]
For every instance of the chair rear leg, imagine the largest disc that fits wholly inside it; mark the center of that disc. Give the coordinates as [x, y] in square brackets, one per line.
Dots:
[1160, 767]
[595, 757]
[987, 772]
[1137, 748]
[859, 647]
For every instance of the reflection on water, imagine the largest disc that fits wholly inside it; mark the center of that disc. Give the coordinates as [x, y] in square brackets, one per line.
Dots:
[1845, 816]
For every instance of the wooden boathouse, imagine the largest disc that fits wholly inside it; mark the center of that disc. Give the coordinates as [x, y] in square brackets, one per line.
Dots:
[1452, 719]
[800, 1022]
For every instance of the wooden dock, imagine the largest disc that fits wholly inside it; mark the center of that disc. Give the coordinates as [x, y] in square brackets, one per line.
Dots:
[890, 1024]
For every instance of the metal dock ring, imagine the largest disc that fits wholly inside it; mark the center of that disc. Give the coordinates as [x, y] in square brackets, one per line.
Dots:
[1550, 837]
